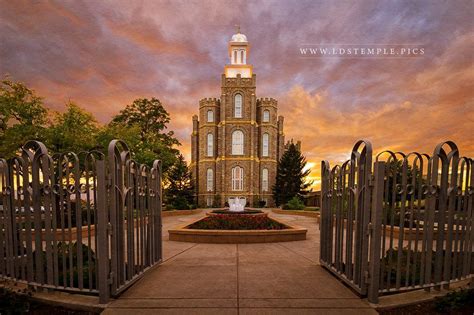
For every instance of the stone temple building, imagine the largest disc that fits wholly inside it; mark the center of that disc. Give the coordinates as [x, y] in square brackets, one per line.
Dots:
[237, 138]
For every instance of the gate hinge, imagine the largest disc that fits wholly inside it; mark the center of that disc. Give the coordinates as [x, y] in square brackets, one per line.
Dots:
[109, 181]
[371, 180]
[110, 228]
[369, 230]
[110, 280]
[366, 277]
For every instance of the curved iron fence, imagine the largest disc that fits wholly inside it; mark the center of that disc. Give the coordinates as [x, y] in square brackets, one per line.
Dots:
[79, 222]
[403, 222]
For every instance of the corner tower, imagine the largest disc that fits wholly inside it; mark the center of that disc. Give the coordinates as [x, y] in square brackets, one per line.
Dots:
[237, 139]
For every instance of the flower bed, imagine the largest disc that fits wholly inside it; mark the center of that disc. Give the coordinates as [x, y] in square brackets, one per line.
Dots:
[237, 222]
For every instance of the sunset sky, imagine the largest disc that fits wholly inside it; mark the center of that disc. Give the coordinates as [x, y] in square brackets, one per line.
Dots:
[104, 54]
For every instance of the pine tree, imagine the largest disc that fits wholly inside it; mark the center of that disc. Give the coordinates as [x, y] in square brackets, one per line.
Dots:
[290, 179]
[180, 192]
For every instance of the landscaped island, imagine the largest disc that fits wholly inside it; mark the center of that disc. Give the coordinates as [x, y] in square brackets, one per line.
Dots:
[223, 226]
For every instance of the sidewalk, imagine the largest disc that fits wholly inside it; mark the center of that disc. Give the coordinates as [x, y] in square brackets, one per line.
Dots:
[273, 278]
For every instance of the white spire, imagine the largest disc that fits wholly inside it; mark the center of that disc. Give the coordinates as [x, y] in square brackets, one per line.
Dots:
[238, 53]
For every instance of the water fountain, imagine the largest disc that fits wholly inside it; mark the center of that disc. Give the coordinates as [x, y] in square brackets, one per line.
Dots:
[237, 204]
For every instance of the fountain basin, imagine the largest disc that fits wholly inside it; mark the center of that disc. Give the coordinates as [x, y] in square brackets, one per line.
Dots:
[229, 212]
[285, 233]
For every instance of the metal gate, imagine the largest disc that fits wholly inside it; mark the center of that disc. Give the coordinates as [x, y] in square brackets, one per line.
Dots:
[345, 212]
[79, 222]
[403, 223]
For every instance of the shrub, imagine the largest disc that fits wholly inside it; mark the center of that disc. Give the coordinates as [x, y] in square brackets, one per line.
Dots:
[217, 202]
[181, 203]
[69, 251]
[455, 300]
[295, 203]
[389, 265]
[13, 302]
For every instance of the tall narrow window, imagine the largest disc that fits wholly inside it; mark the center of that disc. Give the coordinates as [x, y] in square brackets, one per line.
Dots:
[210, 179]
[266, 116]
[237, 142]
[265, 139]
[235, 56]
[265, 179]
[237, 178]
[210, 116]
[210, 144]
[241, 56]
[238, 106]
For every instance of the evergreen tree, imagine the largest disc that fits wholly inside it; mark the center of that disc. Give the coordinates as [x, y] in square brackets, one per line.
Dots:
[290, 178]
[180, 191]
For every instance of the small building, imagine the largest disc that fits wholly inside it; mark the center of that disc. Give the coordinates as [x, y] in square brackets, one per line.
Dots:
[237, 138]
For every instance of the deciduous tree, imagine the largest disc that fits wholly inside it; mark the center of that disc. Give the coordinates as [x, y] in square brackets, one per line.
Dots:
[23, 117]
[143, 125]
[74, 130]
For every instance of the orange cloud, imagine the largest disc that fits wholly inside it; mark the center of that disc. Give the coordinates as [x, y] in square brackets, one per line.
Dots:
[104, 56]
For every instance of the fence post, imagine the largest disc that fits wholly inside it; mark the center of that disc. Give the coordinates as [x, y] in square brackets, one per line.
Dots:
[159, 209]
[102, 234]
[375, 227]
[325, 213]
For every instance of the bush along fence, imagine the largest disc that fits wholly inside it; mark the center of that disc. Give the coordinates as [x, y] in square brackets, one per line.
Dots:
[79, 222]
[400, 223]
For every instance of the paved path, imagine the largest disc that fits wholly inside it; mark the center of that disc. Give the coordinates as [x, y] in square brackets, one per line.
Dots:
[272, 278]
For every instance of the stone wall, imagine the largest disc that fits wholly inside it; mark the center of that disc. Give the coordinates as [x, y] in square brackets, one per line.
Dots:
[222, 161]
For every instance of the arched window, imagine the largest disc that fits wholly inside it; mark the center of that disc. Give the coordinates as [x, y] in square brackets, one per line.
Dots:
[237, 178]
[238, 106]
[235, 56]
[237, 142]
[265, 179]
[210, 144]
[266, 116]
[265, 140]
[241, 56]
[210, 116]
[210, 179]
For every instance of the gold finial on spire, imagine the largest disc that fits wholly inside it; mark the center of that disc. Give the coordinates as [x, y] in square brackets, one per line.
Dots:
[238, 28]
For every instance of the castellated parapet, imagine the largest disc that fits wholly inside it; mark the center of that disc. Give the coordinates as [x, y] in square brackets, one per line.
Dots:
[239, 81]
[267, 101]
[209, 101]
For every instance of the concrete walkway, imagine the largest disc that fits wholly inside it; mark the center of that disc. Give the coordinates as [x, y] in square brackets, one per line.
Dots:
[273, 278]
